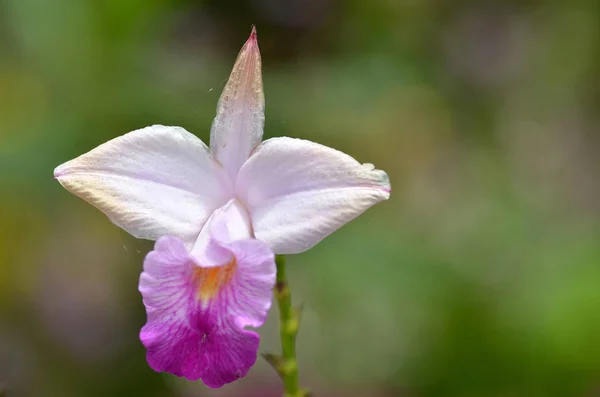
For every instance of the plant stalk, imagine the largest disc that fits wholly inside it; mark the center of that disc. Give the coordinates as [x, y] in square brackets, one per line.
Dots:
[289, 323]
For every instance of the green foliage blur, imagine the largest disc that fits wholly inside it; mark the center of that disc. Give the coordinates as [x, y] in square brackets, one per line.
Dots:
[480, 277]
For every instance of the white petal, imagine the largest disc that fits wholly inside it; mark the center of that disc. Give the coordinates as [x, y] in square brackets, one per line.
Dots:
[298, 192]
[151, 182]
[228, 223]
[238, 127]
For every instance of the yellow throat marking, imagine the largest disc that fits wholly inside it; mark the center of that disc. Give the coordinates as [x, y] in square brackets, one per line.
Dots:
[210, 280]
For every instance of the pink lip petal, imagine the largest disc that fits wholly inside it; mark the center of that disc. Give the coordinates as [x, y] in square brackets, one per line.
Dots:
[197, 330]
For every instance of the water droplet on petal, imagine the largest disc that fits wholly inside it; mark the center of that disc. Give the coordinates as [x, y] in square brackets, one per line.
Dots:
[368, 166]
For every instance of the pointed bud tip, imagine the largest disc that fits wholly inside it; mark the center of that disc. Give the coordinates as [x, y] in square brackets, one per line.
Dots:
[253, 37]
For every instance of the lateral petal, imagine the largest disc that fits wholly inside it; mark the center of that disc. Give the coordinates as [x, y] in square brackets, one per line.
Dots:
[151, 182]
[298, 192]
[238, 127]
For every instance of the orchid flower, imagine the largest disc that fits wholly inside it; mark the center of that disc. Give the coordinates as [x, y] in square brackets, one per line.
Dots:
[285, 194]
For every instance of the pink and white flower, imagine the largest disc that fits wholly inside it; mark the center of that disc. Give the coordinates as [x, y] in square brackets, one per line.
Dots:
[285, 194]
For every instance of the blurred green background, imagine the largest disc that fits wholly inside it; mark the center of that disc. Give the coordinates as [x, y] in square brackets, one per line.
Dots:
[480, 277]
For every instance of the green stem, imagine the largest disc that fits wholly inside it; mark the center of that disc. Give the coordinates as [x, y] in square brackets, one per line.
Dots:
[289, 323]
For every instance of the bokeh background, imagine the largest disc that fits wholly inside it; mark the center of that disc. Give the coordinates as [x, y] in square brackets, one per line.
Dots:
[480, 277]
